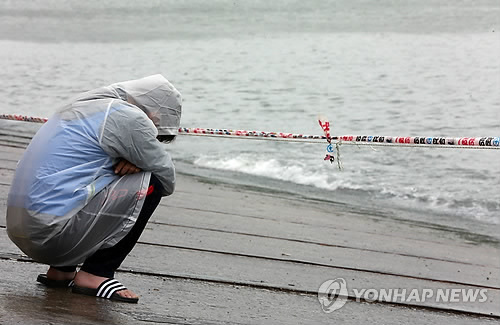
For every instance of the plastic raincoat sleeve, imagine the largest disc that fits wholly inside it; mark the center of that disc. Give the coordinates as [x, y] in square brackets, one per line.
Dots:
[129, 134]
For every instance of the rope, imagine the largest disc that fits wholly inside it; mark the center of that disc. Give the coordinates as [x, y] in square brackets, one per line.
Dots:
[369, 140]
[250, 134]
[302, 140]
[23, 118]
[394, 141]
[427, 142]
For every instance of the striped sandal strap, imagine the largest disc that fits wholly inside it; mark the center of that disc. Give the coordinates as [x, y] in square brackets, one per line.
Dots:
[108, 288]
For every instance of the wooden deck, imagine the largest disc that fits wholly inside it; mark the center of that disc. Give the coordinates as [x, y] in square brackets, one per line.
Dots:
[222, 254]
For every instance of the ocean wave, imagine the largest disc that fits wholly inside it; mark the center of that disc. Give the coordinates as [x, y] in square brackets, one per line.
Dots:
[298, 173]
[486, 211]
[416, 199]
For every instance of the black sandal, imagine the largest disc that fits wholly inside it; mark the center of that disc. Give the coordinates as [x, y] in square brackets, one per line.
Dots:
[108, 289]
[42, 278]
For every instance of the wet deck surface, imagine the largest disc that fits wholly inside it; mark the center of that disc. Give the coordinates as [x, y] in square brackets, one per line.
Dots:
[221, 254]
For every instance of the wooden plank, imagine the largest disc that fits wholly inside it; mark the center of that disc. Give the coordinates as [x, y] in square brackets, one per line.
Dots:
[9, 155]
[274, 274]
[291, 276]
[8, 165]
[306, 253]
[16, 152]
[167, 300]
[323, 235]
[193, 194]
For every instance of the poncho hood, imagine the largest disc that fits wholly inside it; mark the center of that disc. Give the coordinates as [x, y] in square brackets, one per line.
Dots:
[157, 97]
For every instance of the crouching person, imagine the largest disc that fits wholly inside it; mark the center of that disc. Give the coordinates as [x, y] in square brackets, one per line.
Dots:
[90, 180]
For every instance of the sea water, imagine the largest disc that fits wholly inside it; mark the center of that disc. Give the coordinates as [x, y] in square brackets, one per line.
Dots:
[396, 68]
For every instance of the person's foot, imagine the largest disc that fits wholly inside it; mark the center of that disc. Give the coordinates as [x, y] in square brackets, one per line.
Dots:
[54, 274]
[87, 280]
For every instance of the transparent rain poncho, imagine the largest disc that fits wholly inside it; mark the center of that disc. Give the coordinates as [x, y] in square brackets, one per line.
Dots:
[65, 201]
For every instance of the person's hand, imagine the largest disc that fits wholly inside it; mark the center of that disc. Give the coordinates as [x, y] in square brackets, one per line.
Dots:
[124, 167]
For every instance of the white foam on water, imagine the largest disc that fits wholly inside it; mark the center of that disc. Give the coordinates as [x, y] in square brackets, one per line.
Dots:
[422, 199]
[295, 172]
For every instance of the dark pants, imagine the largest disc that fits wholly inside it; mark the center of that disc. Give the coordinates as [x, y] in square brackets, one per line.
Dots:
[105, 261]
